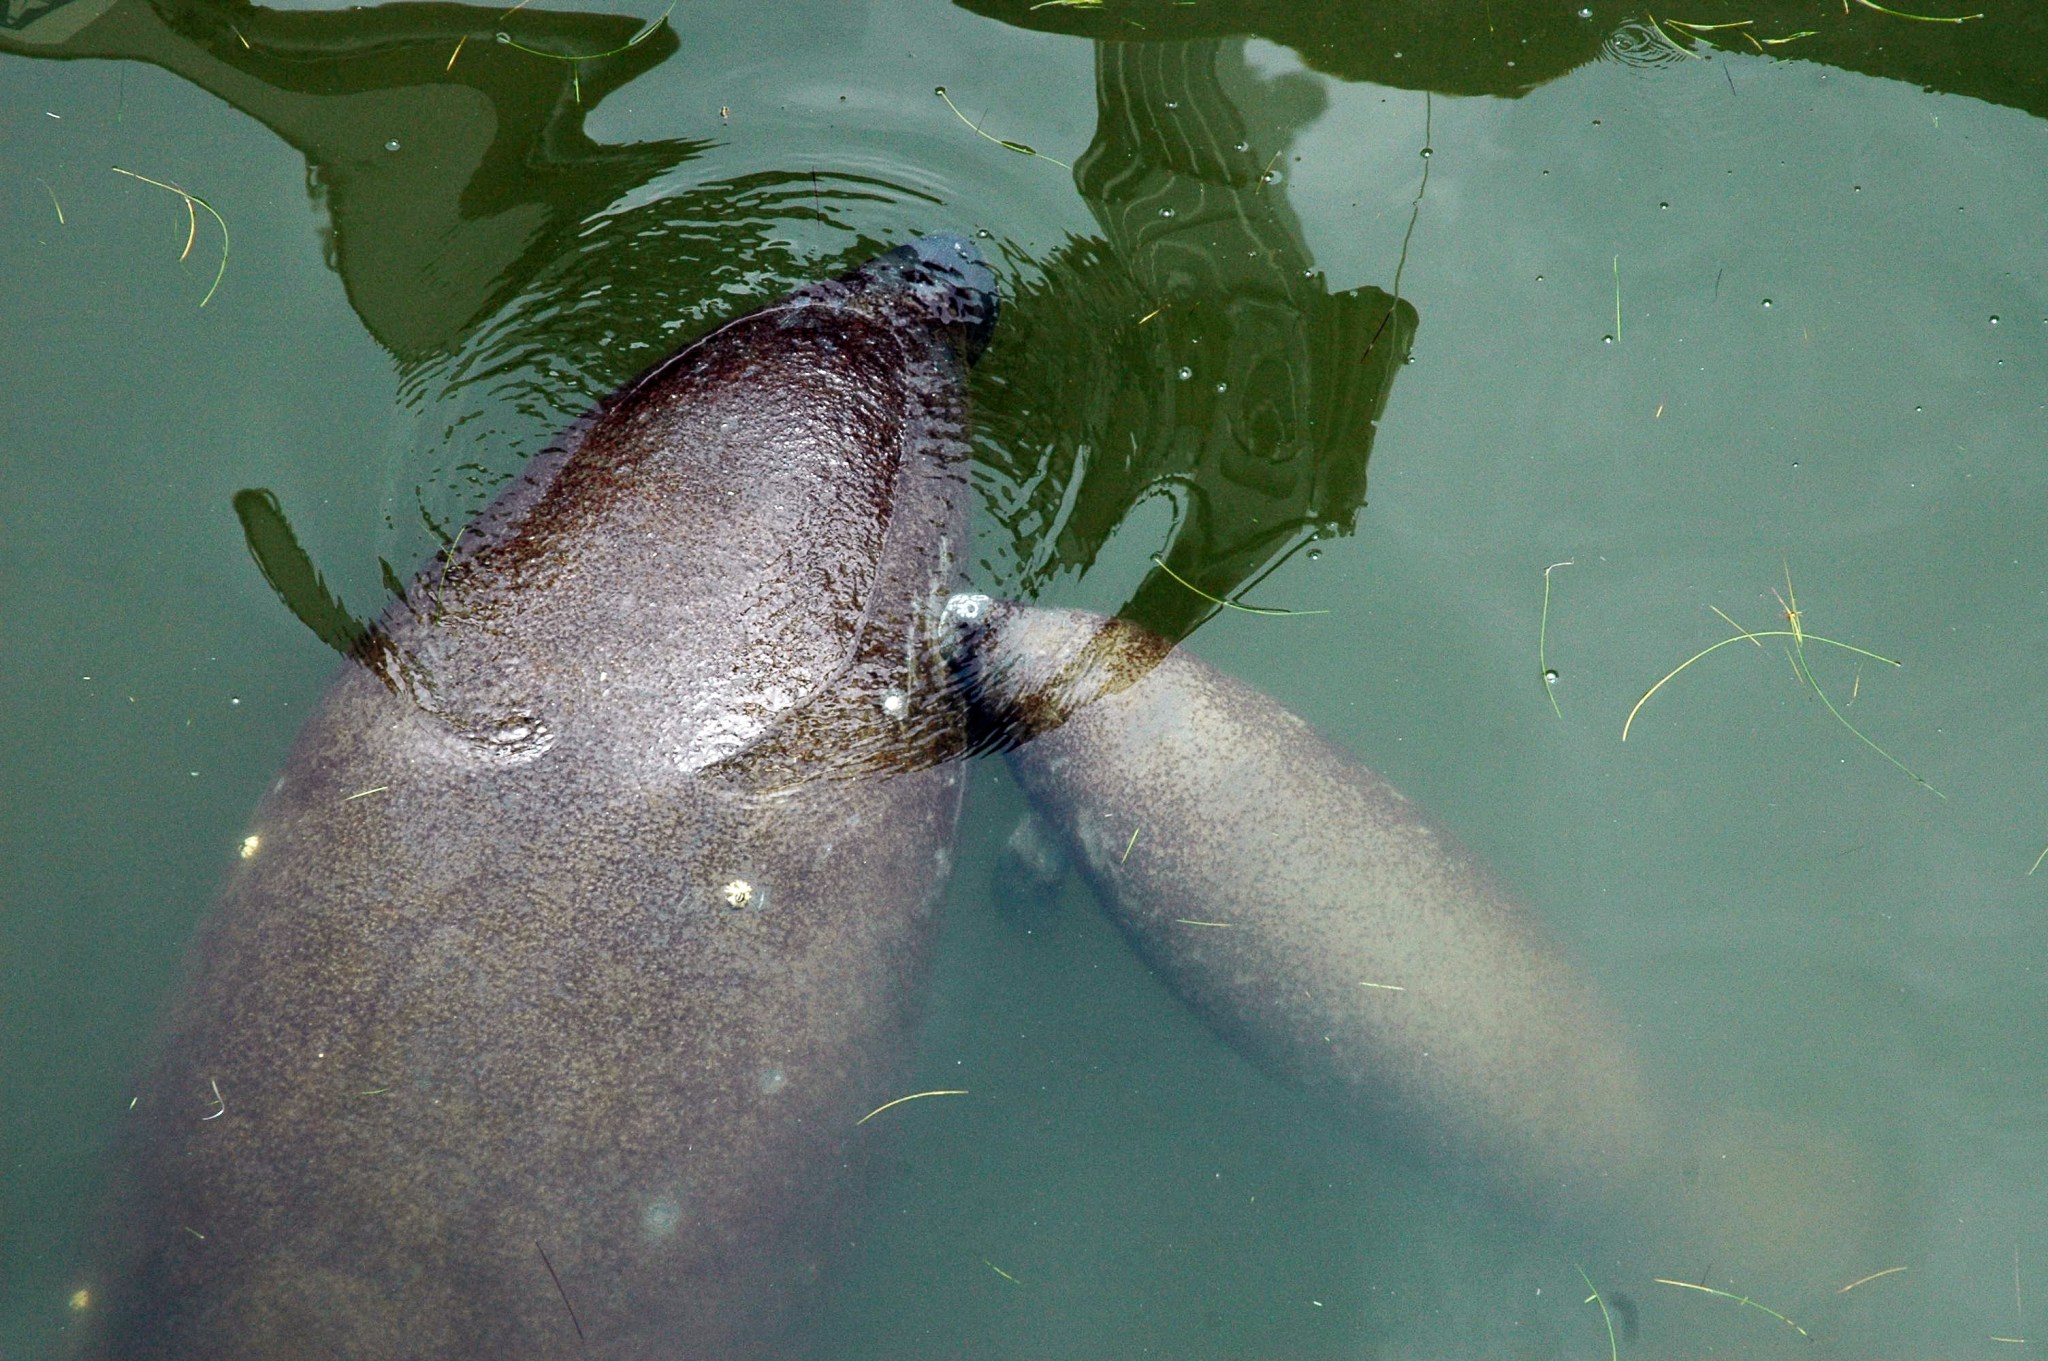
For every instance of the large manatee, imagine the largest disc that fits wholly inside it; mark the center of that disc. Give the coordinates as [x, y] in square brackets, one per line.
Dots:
[585, 920]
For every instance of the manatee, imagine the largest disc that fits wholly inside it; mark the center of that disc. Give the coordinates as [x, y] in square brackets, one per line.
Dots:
[587, 916]
[1310, 913]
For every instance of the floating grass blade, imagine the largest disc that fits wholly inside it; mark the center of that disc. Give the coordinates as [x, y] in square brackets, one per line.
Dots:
[1796, 654]
[914, 1096]
[191, 226]
[1790, 603]
[1617, 300]
[1542, 637]
[1613, 1347]
[1865, 1280]
[1673, 43]
[575, 59]
[1920, 18]
[1021, 148]
[1160, 563]
[1739, 1299]
[1708, 28]
[1746, 636]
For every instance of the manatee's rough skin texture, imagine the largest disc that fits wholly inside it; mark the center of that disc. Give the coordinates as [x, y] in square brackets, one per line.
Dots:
[480, 992]
[1189, 797]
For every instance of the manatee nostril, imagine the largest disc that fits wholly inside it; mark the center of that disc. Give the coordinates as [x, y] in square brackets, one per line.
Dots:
[946, 250]
[950, 280]
[959, 256]
[966, 607]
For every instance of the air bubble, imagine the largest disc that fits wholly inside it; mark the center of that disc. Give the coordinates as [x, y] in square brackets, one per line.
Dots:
[967, 605]
[1185, 373]
[661, 1217]
[391, 145]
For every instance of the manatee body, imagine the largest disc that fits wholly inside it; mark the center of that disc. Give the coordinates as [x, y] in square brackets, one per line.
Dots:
[585, 919]
[1306, 910]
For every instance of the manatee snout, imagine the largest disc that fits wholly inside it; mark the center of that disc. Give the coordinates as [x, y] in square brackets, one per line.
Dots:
[944, 277]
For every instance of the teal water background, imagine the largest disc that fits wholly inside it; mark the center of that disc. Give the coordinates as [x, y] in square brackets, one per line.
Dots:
[1689, 319]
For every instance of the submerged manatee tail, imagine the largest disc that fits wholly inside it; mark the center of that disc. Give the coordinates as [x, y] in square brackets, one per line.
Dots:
[1306, 910]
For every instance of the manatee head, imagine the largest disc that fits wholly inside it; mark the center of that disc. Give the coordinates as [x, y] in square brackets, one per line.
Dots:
[937, 282]
[757, 527]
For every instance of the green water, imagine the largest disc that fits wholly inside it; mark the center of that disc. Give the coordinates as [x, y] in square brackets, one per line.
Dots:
[1685, 313]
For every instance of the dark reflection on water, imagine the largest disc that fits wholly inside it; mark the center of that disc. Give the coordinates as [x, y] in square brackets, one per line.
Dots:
[449, 167]
[475, 229]
[1191, 352]
[1988, 49]
[1194, 353]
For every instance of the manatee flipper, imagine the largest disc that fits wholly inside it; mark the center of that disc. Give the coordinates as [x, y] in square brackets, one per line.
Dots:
[1306, 910]
[1030, 873]
[537, 1015]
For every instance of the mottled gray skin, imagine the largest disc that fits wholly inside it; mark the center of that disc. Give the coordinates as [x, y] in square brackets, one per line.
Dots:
[1270, 878]
[480, 988]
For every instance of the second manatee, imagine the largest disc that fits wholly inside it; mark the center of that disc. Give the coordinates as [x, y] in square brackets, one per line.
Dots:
[1310, 913]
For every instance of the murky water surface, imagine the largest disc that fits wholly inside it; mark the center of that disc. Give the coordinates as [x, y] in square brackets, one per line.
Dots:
[1639, 324]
